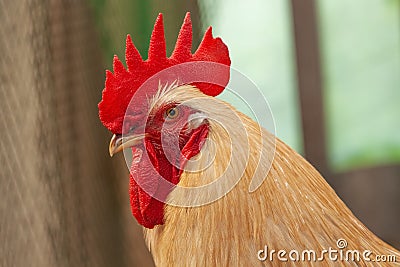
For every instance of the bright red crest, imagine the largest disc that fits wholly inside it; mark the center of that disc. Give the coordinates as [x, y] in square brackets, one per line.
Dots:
[121, 85]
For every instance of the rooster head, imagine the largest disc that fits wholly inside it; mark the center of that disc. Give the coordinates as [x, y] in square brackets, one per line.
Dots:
[162, 136]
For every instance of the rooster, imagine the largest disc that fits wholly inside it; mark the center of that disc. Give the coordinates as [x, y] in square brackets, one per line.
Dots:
[254, 202]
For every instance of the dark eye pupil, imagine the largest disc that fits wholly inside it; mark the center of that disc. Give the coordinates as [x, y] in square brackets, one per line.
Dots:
[172, 112]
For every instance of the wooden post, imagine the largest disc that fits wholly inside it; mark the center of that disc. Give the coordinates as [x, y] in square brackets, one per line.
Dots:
[310, 83]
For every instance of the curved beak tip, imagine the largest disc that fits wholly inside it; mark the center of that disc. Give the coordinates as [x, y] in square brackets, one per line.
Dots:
[116, 145]
[118, 142]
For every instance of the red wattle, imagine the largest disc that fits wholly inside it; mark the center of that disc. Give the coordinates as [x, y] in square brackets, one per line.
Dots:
[144, 188]
[148, 189]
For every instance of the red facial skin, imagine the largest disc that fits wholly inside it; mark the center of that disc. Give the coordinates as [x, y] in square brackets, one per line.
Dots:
[168, 145]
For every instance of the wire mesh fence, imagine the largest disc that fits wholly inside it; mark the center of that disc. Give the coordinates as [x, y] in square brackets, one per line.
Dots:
[61, 202]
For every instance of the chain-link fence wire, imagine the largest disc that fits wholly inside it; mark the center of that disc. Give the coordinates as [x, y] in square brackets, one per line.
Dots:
[61, 198]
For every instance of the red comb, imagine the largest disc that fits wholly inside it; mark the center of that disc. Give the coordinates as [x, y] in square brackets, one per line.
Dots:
[123, 84]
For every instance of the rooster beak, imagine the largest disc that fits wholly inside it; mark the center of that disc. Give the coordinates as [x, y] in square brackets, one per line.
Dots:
[119, 142]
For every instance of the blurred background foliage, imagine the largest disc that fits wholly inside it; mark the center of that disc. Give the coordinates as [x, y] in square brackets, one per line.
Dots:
[360, 50]
[361, 56]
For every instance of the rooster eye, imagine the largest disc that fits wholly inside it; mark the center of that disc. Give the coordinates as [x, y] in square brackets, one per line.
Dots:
[172, 113]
